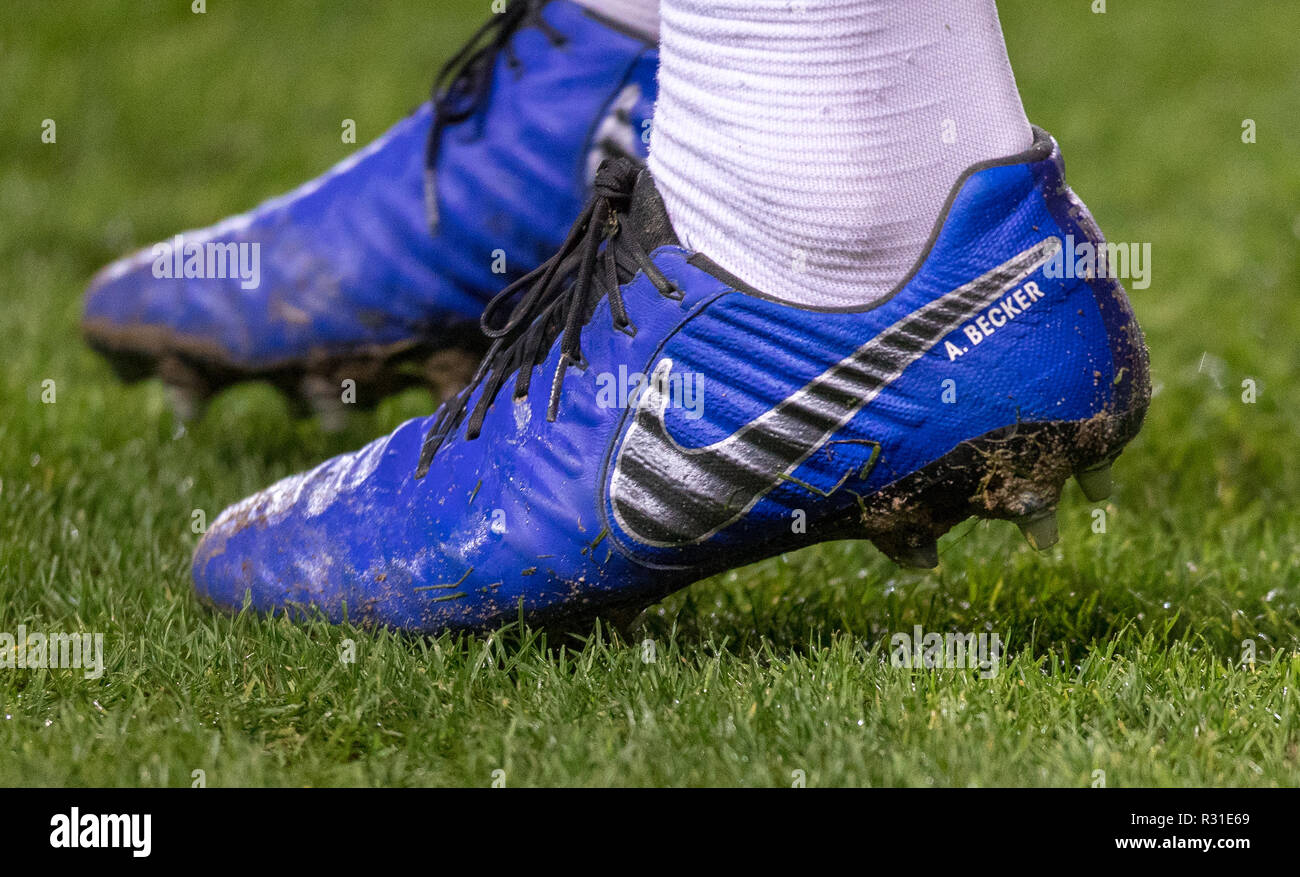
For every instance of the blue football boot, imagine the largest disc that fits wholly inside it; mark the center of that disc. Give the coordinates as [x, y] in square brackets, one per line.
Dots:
[378, 270]
[644, 419]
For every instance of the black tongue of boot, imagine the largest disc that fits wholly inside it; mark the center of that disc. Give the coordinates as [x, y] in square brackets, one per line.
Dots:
[649, 216]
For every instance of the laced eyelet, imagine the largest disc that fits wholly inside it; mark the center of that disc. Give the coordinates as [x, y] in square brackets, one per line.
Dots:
[556, 301]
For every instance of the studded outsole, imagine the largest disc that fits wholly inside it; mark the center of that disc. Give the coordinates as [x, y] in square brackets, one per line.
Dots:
[1013, 474]
[324, 386]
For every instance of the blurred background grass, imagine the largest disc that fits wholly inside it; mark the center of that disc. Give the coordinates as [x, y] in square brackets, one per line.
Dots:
[169, 120]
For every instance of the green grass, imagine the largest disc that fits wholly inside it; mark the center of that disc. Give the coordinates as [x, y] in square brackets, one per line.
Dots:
[1124, 648]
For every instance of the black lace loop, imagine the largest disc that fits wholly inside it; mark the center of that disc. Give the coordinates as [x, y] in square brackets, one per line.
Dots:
[603, 250]
[463, 85]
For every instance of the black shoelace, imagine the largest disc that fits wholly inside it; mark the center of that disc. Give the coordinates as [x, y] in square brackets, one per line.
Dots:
[463, 85]
[603, 250]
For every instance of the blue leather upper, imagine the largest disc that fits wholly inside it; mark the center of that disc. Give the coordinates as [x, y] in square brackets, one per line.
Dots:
[347, 261]
[523, 514]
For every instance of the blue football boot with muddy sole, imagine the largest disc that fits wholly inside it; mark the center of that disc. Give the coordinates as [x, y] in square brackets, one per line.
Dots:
[378, 270]
[644, 419]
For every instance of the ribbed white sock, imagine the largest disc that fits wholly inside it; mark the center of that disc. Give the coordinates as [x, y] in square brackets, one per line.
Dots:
[640, 16]
[807, 146]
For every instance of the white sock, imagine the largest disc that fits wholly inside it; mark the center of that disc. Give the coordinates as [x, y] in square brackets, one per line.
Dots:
[807, 147]
[639, 16]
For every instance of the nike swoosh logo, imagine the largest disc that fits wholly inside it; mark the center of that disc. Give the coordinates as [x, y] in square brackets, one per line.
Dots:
[666, 495]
